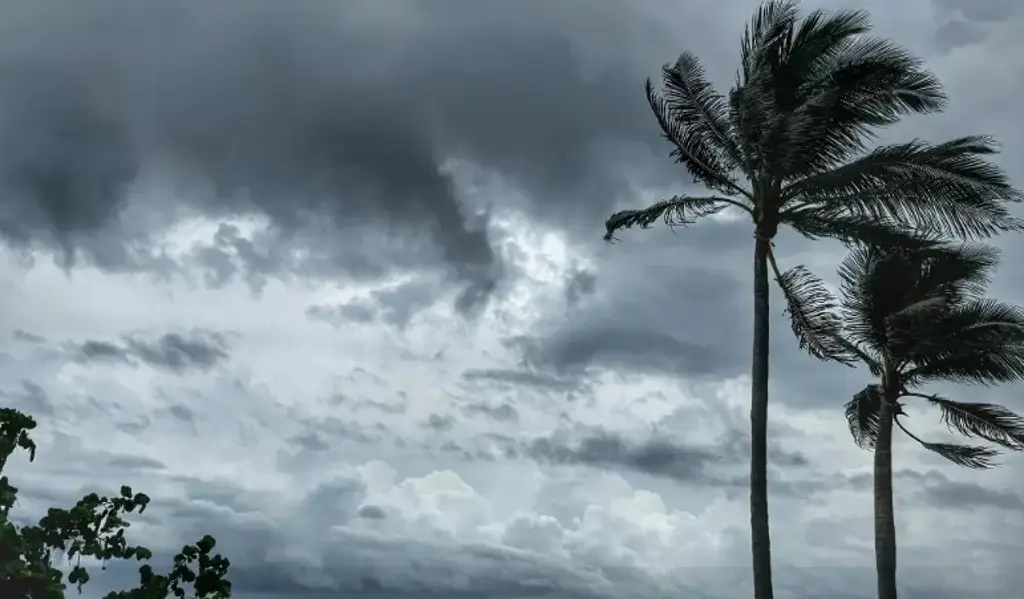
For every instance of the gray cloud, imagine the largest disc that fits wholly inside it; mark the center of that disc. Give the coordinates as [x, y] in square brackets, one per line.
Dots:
[372, 512]
[982, 10]
[30, 398]
[581, 284]
[333, 121]
[440, 423]
[27, 337]
[937, 489]
[175, 352]
[968, 496]
[631, 329]
[504, 412]
[958, 33]
[301, 115]
[362, 404]
[516, 378]
[127, 462]
[658, 456]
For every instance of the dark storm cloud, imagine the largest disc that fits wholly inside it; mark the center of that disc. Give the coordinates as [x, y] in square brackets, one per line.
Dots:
[332, 119]
[658, 458]
[706, 463]
[178, 353]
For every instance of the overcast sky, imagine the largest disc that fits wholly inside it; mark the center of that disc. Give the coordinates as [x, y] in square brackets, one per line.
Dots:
[326, 280]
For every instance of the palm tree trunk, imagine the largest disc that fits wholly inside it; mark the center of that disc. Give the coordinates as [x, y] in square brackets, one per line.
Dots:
[760, 542]
[885, 524]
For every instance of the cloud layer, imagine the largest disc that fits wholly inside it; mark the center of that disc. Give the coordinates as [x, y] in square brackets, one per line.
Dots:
[326, 280]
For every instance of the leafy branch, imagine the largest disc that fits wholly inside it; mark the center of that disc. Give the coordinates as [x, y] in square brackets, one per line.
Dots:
[93, 528]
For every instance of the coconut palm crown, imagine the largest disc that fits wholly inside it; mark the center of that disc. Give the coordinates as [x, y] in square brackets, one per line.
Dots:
[916, 316]
[920, 316]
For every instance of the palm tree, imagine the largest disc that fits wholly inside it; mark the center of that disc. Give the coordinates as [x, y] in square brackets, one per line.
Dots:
[789, 147]
[915, 316]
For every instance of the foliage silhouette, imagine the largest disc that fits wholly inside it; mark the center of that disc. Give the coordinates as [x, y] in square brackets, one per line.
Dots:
[917, 316]
[788, 147]
[94, 528]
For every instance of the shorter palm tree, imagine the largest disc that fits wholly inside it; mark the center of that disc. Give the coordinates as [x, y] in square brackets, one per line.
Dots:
[914, 316]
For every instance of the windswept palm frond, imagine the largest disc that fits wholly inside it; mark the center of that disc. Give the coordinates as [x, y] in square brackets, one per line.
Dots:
[989, 321]
[753, 103]
[968, 456]
[852, 229]
[696, 105]
[907, 329]
[820, 35]
[812, 312]
[981, 342]
[990, 422]
[862, 414]
[693, 149]
[765, 35]
[893, 297]
[964, 269]
[856, 85]
[677, 211]
[948, 187]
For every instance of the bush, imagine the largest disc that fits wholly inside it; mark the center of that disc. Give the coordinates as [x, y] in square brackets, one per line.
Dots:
[95, 527]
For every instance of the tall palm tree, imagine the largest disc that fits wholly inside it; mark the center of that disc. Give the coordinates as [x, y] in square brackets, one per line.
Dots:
[916, 316]
[789, 147]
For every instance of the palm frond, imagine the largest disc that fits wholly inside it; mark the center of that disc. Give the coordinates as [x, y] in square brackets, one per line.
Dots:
[863, 415]
[788, 136]
[980, 342]
[764, 36]
[819, 35]
[858, 85]
[949, 188]
[752, 101]
[675, 211]
[968, 456]
[990, 422]
[894, 298]
[851, 229]
[964, 268]
[812, 312]
[693, 148]
[696, 105]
